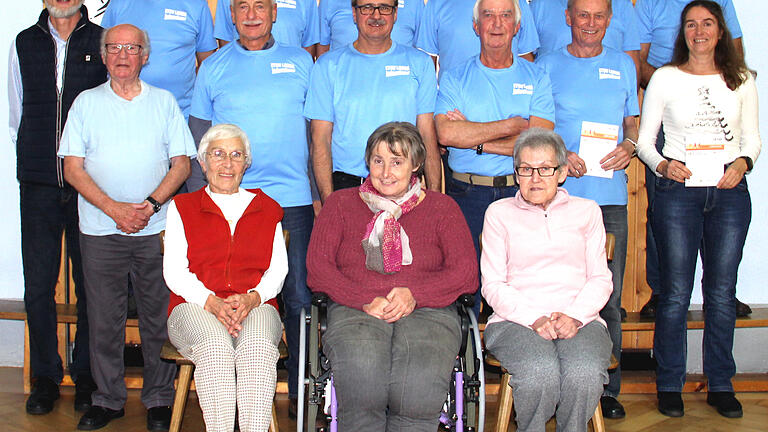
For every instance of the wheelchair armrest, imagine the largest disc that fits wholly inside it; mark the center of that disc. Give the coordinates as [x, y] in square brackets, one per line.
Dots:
[467, 300]
[319, 299]
[464, 307]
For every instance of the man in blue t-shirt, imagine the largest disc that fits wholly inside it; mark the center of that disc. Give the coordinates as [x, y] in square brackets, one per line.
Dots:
[260, 85]
[596, 109]
[296, 23]
[445, 32]
[338, 29]
[181, 33]
[659, 24]
[483, 105]
[554, 32]
[357, 88]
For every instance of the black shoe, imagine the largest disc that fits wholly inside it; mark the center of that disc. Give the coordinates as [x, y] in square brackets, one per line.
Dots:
[726, 404]
[84, 387]
[742, 310]
[45, 391]
[649, 310]
[623, 313]
[159, 418]
[612, 408]
[97, 417]
[671, 404]
[293, 403]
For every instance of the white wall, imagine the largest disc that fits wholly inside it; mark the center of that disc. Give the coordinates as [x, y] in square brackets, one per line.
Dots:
[752, 275]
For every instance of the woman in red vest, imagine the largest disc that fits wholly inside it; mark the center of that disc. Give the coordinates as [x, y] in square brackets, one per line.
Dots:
[225, 262]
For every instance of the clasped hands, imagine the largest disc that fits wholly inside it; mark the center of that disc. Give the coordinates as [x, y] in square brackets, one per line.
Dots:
[232, 310]
[556, 326]
[397, 304]
[131, 218]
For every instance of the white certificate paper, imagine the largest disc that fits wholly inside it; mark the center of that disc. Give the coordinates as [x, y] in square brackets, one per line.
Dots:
[705, 156]
[597, 140]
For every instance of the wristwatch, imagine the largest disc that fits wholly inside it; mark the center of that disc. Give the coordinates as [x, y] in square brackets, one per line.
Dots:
[479, 149]
[155, 205]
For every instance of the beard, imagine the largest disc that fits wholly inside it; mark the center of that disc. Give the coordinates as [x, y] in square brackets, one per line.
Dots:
[57, 12]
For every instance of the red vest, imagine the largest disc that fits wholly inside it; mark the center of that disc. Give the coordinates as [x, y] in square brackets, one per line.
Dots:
[227, 264]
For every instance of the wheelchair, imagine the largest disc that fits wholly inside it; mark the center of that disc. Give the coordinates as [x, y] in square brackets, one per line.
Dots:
[463, 410]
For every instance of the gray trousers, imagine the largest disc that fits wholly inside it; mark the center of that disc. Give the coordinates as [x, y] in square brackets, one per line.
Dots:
[108, 261]
[230, 371]
[564, 377]
[391, 377]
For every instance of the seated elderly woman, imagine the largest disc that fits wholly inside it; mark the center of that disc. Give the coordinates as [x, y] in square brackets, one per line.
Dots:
[224, 263]
[546, 277]
[393, 331]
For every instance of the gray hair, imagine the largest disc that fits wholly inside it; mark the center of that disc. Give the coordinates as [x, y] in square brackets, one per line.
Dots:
[223, 131]
[403, 139]
[146, 47]
[610, 6]
[537, 138]
[515, 8]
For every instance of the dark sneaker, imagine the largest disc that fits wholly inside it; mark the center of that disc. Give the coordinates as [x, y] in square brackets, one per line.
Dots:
[671, 404]
[45, 391]
[97, 417]
[742, 309]
[84, 387]
[726, 404]
[649, 310]
[159, 418]
[612, 408]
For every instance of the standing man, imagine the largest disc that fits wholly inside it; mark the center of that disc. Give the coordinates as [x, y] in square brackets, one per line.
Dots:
[260, 85]
[483, 105]
[445, 32]
[51, 63]
[126, 150]
[298, 25]
[182, 37]
[659, 23]
[600, 139]
[359, 87]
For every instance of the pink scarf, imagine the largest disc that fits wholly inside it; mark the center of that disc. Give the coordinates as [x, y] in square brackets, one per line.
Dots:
[385, 242]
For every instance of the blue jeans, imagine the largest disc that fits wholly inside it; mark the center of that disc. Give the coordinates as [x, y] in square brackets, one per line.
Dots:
[615, 221]
[684, 220]
[298, 221]
[473, 200]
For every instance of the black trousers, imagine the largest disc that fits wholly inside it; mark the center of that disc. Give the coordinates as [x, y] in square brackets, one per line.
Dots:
[46, 213]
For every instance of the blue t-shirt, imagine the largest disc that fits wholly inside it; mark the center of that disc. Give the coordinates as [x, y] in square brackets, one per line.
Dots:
[549, 15]
[177, 30]
[600, 89]
[263, 92]
[127, 146]
[296, 24]
[483, 94]
[338, 29]
[446, 31]
[659, 23]
[360, 92]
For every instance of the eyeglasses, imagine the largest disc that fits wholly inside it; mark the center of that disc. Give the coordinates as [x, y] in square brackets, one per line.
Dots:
[526, 171]
[219, 155]
[115, 48]
[384, 9]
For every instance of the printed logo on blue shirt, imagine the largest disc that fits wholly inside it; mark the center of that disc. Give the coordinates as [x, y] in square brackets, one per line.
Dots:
[278, 68]
[401, 3]
[606, 73]
[392, 71]
[290, 4]
[175, 15]
[522, 89]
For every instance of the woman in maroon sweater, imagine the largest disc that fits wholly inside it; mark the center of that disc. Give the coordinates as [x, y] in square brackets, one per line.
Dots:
[393, 258]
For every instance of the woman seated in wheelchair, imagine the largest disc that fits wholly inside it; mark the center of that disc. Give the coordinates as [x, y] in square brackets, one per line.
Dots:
[545, 274]
[393, 331]
[224, 263]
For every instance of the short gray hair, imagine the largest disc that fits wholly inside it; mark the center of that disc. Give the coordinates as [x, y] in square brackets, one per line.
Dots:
[515, 7]
[402, 138]
[536, 138]
[146, 47]
[223, 131]
[610, 5]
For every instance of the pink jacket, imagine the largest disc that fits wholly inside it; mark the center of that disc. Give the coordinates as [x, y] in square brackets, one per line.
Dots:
[538, 261]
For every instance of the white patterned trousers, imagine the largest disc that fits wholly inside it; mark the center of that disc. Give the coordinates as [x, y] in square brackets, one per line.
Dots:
[230, 372]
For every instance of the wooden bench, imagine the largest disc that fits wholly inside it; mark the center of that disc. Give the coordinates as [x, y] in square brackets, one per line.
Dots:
[634, 322]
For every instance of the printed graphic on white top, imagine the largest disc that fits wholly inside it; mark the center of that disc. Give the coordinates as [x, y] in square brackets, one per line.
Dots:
[606, 73]
[522, 89]
[175, 15]
[278, 68]
[392, 71]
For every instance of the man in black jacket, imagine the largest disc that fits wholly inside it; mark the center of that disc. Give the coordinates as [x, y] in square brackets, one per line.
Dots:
[51, 63]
